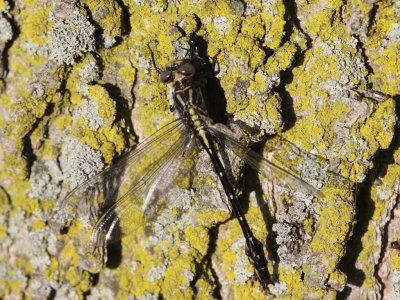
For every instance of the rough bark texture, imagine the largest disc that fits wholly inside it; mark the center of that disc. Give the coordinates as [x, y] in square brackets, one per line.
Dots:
[78, 88]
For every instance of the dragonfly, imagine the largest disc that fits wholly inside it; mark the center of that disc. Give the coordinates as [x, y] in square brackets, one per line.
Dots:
[149, 170]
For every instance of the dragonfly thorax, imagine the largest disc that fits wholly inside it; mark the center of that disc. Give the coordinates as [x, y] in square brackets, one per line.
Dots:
[187, 80]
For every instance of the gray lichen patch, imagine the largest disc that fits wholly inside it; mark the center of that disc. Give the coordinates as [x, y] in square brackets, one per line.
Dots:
[89, 73]
[291, 235]
[32, 247]
[71, 38]
[89, 109]
[241, 272]
[180, 203]
[221, 24]
[6, 34]
[156, 273]
[78, 162]
[5, 30]
[45, 180]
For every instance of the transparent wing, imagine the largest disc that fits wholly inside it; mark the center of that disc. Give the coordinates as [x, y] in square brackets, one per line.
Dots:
[124, 193]
[272, 171]
[314, 169]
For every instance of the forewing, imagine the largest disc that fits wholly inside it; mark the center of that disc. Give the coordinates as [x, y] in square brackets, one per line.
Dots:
[118, 195]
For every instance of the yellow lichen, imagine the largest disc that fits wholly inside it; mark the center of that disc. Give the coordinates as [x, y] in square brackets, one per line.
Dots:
[2, 4]
[108, 15]
[377, 128]
[383, 56]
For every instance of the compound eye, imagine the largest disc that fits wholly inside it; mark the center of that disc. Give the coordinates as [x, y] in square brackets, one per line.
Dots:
[187, 69]
[165, 76]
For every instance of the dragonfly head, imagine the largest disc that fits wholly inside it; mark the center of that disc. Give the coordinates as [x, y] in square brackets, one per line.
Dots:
[181, 71]
[186, 72]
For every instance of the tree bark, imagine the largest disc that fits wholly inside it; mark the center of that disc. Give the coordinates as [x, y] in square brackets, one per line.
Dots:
[79, 88]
